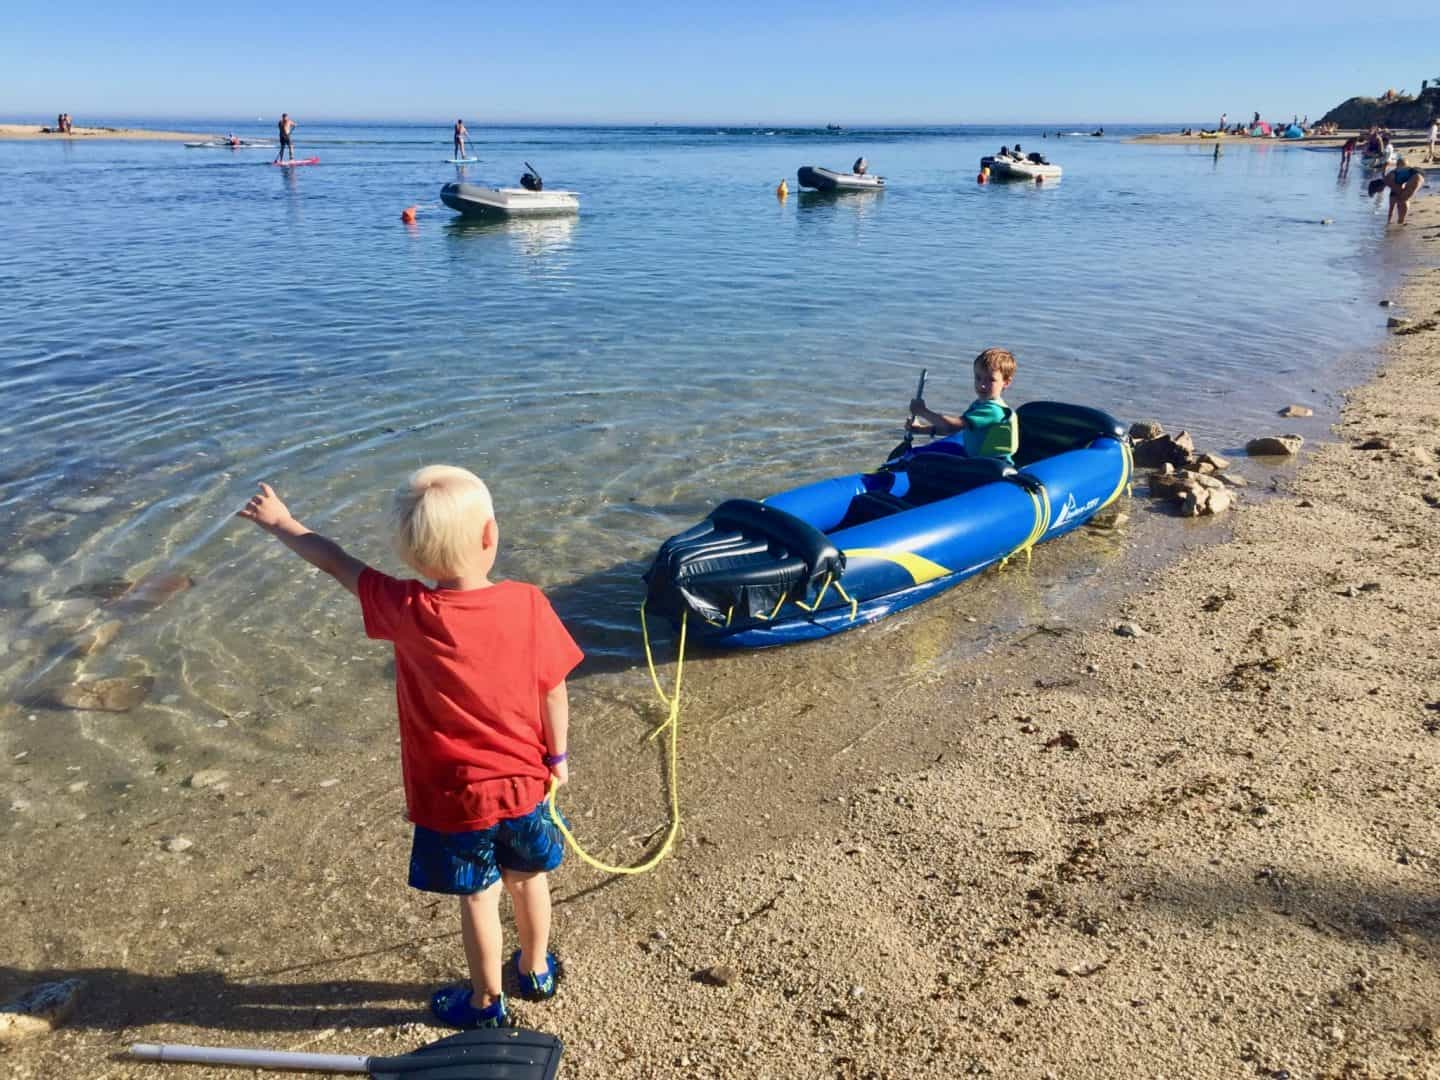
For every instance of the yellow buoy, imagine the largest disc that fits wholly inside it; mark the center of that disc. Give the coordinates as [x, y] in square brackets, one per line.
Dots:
[783, 190]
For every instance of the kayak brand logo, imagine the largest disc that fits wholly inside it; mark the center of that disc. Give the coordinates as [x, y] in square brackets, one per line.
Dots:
[1072, 510]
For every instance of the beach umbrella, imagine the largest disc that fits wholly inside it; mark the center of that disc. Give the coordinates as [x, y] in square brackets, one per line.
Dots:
[486, 1054]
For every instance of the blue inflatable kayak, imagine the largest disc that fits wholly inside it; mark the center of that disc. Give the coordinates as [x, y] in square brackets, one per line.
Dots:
[829, 556]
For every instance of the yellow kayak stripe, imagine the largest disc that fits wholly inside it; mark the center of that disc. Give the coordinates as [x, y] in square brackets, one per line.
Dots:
[917, 566]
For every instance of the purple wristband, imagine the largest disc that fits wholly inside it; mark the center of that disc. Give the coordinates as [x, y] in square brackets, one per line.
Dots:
[554, 759]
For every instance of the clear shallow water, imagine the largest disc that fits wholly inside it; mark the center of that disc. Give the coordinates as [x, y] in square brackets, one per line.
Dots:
[182, 322]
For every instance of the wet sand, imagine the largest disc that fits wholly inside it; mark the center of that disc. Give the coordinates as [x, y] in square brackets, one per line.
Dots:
[1209, 851]
[32, 131]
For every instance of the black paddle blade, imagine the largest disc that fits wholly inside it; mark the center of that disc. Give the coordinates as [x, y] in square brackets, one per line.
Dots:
[486, 1054]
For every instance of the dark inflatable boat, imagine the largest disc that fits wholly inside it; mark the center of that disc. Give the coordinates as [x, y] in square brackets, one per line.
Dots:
[829, 556]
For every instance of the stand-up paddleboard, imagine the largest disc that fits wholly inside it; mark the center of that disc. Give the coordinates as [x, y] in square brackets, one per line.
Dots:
[298, 161]
[461, 160]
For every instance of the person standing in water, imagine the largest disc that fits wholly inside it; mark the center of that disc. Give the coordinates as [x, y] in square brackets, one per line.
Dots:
[286, 126]
[460, 133]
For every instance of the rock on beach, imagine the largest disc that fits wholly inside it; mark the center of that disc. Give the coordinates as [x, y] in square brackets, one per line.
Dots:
[1275, 445]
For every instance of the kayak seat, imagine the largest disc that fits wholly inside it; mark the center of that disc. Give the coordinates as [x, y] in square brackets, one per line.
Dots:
[872, 506]
[1048, 428]
[742, 562]
[941, 476]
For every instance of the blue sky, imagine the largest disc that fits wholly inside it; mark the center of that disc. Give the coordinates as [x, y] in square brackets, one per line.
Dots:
[854, 63]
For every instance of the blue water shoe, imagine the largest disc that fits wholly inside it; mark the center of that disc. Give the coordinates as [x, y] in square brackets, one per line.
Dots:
[540, 985]
[451, 1005]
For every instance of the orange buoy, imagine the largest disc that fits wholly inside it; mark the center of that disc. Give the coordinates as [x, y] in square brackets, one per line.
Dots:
[783, 191]
[408, 215]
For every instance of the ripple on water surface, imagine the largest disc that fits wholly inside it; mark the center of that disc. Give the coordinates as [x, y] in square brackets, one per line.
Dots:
[212, 321]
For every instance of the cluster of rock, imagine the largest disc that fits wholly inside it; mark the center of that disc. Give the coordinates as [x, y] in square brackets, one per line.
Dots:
[1195, 481]
[1399, 112]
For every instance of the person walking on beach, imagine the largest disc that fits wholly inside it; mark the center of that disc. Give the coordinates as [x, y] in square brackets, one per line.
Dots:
[460, 134]
[480, 669]
[286, 126]
[1221, 126]
[1434, 128]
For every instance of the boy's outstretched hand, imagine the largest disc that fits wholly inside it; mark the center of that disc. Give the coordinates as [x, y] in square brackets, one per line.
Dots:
[272, 515]
[265, 509]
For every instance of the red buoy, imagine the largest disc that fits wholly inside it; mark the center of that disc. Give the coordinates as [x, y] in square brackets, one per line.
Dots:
[408, 215]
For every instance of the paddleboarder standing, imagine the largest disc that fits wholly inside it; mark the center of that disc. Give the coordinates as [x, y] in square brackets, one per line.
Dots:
[286, 126]
[460, 134]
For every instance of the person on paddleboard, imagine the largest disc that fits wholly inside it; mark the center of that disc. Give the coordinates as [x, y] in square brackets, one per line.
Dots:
[286, 126]
[460, 133]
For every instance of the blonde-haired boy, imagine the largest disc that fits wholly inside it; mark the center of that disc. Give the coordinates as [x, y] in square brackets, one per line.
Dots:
[480, 670]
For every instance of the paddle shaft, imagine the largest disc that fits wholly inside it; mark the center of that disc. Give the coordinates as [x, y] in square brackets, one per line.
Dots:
[919, 393]
[254, 1059]
[909, 439]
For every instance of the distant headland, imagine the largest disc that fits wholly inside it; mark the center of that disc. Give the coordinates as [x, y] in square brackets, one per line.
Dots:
[1390, 110]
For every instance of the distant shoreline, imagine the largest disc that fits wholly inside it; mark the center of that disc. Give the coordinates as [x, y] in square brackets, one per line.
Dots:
[37, 131]
[1404, 139]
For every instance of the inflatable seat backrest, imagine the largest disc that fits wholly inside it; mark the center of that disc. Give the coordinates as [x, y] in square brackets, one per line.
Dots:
[935, 476]
[1048, 428]
[785, 530]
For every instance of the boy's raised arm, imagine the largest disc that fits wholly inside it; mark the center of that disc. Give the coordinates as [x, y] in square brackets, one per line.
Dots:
[267, 511]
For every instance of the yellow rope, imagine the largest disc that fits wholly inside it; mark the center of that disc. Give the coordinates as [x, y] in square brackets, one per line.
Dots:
[854, 604]
[823, 590]
[1041, 502]
[1127, 468]
[672, 721]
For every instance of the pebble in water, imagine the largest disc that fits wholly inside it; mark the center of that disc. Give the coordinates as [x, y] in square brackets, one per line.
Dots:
[30, 563]
[104, 695]
[80, 504]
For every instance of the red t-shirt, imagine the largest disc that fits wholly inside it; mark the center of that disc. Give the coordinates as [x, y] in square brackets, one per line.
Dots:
[472, 669]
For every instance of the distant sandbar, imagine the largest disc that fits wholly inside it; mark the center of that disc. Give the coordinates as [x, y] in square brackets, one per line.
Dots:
[39, 131]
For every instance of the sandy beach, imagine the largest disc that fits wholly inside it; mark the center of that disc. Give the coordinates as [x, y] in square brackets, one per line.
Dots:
[1194, 835]
[1404, 140]
[33, 131]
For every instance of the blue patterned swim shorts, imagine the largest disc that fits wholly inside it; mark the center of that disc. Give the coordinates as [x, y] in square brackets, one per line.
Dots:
[470, 862]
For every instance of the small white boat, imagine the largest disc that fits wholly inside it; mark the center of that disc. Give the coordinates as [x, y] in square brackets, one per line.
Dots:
[813, 176]
[1010, 169]
[508, 202]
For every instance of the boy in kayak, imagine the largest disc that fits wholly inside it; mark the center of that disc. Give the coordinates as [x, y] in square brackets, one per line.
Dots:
[480, 670]
[989, 426]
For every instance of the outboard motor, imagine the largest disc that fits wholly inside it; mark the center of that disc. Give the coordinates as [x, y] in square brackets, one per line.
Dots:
[530, 179]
